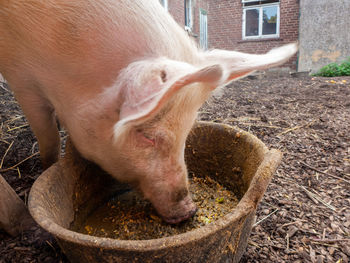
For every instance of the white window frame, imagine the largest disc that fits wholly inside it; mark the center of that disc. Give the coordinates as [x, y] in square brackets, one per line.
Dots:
[188, 15]
[260, 7]
[164, 3]
[203, 32]
[248, 1]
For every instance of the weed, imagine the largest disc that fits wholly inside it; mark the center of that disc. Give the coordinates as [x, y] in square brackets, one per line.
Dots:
[335, 70]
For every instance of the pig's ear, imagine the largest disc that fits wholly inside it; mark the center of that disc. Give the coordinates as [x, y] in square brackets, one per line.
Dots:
[137, 109]
[239, 64]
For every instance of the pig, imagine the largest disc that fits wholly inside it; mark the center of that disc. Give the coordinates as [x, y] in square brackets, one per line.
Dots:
[126, 82]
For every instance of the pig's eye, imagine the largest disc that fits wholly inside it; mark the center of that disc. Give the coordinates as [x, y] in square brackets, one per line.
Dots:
[149, 139]
[163, 76]
[145, 138]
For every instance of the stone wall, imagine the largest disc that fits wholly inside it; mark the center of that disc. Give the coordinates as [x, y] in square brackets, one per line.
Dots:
[324, 33]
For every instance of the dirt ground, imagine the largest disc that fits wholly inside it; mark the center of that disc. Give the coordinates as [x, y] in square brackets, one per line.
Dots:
[305, 214]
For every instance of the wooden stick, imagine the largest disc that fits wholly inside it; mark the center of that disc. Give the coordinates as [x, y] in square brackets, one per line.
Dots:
[19, 173]
[331, 175]
[290, 129]
[1, 139]
[293, 223]
[325, 240]
[2, 86]
[310, 195]
[14, 166]
[19, 127]
[317, 170]
[257, 223]
[260, 125]
[2, 160]
[324, 234]
[287, 238]
[314, 196]
[296, 128]
[13, 119]
[251, 242]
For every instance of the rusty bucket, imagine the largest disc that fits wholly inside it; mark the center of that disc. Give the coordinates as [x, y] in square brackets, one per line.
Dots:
[211, 149]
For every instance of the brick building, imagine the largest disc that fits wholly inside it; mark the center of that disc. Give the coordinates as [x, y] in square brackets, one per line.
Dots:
[243, 25]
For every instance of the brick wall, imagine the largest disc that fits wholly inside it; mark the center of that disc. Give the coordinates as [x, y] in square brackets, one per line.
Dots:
[203, 4]
[225, 28]
[225, 25]
[177, 10]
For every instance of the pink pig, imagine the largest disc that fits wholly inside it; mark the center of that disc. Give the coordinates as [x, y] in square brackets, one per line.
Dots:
[126, 82]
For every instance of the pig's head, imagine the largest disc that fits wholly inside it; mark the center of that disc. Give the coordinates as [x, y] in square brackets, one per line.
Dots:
[159, 99]
[155, 118]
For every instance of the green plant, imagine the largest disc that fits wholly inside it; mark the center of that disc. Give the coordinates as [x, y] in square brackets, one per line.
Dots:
[345, 68]
[335, 70]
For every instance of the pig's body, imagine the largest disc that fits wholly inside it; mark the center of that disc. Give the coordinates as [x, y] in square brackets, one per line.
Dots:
[123, 78]
[60, 54]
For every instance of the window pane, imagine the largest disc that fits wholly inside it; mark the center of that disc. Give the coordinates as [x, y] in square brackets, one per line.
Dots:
[269, 20]
[188, 13]
[252, 22]
[164, 3]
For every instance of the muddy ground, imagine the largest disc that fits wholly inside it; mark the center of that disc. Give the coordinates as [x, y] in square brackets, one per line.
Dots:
[305, 214]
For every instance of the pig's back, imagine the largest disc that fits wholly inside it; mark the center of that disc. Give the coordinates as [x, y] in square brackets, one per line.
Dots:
[87, 37]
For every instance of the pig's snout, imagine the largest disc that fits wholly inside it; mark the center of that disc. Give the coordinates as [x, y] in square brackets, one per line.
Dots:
[170, 197]
[184, 209]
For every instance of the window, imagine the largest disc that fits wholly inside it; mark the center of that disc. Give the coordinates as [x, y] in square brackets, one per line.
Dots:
[188, 14]
[164, 3]
[260, 19]
[203, 29]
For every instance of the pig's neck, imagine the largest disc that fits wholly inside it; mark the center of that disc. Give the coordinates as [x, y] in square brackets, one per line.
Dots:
[91, 124]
